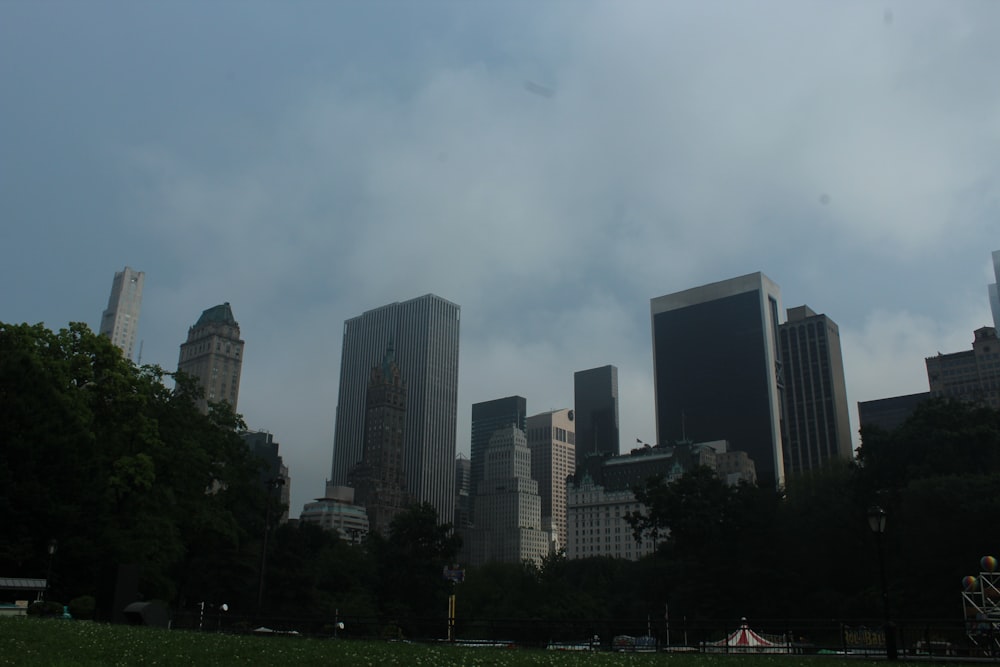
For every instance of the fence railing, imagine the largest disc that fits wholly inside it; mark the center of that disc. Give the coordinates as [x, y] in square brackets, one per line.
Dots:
[864, 637]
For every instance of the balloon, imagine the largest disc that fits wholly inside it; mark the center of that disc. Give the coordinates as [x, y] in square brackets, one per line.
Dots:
[988, 563]
[969, 583]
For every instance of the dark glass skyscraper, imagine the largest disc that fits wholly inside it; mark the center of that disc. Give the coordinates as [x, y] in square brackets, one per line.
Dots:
[816, 422]
[595, 398]
[717, 369]
[424, 332]
[487, 418]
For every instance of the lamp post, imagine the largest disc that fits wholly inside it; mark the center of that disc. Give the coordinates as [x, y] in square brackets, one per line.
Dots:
[270, 485]
[51, 549]
[876, 521]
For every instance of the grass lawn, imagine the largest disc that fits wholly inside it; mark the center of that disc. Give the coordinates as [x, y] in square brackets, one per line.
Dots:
[36, 641]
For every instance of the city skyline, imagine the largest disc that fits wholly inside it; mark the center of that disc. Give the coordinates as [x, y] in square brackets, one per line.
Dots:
[307, 166]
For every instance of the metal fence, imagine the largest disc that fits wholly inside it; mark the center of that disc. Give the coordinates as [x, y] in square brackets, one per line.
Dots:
[939, 638]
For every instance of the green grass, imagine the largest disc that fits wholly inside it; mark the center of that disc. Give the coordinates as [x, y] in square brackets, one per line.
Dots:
[35, 641]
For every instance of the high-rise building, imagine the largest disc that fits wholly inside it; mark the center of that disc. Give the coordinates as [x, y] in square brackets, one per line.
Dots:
[273, 475]
[508, 509]
[595, 398]
[425, 335]
[120, 321]
[378, 480]
[213, 354]
[552, 441]
[463, 493]
[717, 369]
[889, 413]
[972, 376]
[817, 424]
[487, 418]
[994, 290]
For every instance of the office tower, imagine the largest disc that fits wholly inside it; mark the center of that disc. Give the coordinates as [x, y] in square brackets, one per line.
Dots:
[717, 370]
[488, 417]
[463, 493]
[994, 291]
[425, 336]
[508, 510]
[379, 481]
[817, 425]
[972, 376]
[274, 473]
[120, 321]
[552, 442]
[595, 397]
[213, 354]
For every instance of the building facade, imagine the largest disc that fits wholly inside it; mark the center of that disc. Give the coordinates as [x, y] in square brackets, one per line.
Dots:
[817, 426]
[120, 320]
[994, 291]
[717, 368]
[487, 418]
[972, 376]
[336, 510]
[213, 354]
[273, 476]
[889, 413]
[378, 480]
[508, 509]
[552, 443]
[595, 400]
[596, 524]
[463, 493]
[425, 333]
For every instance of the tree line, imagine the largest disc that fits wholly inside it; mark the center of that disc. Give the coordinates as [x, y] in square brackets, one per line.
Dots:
[99, 455]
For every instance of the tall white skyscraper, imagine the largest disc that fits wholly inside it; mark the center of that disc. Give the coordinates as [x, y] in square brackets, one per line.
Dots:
[424, 333]
[995, 290]
[120, 320]
[552, 441]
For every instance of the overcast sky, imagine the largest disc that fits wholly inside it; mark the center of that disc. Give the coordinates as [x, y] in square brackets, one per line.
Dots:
[548, 166]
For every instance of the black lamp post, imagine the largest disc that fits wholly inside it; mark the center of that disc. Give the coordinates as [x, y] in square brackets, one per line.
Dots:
[876, 521]
[51, 549]
[270, 485]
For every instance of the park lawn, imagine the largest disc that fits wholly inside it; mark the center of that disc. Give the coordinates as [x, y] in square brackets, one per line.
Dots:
[35, 641]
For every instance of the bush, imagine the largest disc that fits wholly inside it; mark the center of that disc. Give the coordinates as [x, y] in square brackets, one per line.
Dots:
[45, 608]
[82, 607]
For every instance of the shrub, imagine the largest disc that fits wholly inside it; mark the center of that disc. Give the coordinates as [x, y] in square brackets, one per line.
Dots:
[82, 607]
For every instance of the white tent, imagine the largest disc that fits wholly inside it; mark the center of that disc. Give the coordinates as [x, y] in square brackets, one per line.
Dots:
[745, 640]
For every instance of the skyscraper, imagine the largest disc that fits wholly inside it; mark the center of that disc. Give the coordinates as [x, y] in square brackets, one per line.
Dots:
[488, 417]
[379, 480]
[508, 508]
[213, 354]
[595, 397]
[717, 368]
[816, 422]
[552, 441]
[120, 320]
[995, 291]
[424, 332]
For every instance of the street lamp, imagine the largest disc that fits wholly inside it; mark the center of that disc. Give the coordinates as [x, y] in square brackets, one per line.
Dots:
[269, 487]
[51, 549]
[876, 521]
